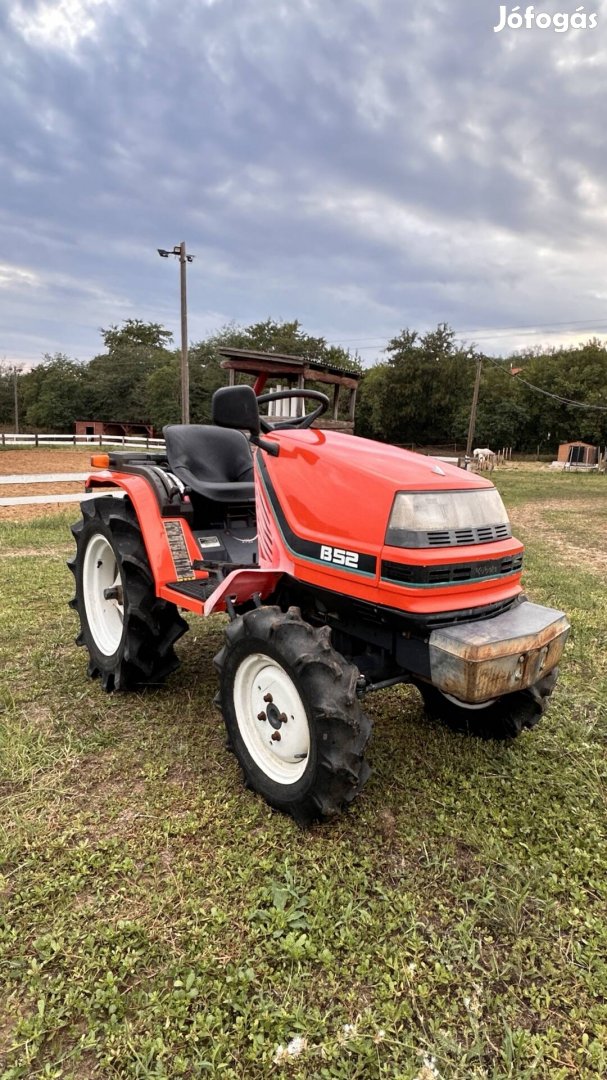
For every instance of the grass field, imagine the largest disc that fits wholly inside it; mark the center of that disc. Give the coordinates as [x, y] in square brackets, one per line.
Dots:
[158, 920]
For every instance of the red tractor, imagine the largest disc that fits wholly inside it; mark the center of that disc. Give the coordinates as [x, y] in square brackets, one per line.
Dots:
[344, 565]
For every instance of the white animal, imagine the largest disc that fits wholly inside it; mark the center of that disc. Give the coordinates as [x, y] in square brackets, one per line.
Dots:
[484, 459]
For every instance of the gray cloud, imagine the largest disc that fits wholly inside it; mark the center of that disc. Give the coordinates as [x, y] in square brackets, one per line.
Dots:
[362, 167]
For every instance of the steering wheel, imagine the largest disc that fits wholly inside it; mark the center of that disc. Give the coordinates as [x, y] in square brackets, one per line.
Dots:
[297, 421]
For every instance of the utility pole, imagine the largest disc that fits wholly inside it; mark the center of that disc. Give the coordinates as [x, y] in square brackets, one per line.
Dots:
[472, 424]
[185, 371]
[15, 385]
[180, 251]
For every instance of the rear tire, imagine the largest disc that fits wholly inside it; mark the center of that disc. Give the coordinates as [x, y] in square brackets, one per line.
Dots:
[504, 718]
[292, 713]
[128, 631]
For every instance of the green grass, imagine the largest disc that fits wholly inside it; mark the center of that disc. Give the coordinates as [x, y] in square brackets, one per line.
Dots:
[158, 920]
[39, 532]
[529, 483]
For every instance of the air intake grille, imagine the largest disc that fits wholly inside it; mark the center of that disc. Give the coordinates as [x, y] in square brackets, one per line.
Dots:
[435, 538]
[451, 574]
[483, 534]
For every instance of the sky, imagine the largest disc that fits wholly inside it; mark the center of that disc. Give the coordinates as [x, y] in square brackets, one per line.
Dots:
[361, 165]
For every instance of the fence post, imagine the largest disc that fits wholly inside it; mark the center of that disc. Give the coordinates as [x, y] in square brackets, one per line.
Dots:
[36, 439]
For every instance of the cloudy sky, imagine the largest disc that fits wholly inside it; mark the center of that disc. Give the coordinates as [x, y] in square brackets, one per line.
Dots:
[362, 165]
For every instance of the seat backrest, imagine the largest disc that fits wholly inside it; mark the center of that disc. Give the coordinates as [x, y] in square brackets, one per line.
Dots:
[200, 453]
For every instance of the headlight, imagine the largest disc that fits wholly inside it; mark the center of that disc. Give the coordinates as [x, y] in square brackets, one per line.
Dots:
[442, 518]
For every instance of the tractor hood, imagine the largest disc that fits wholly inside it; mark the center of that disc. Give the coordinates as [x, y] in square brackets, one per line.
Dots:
[344, 487]
[384, 525]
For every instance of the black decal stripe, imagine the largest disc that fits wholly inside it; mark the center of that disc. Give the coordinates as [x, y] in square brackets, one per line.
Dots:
[308, 549]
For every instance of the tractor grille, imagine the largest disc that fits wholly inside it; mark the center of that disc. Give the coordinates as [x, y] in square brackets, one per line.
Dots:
[483, 534]
[450, 573]
[435, 538]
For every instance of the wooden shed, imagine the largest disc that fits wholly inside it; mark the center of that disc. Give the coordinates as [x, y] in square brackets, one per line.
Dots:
[578, 453]
[281, 371]
[113, 427]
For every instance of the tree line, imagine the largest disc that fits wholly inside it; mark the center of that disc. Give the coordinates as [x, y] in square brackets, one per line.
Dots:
[418, 394]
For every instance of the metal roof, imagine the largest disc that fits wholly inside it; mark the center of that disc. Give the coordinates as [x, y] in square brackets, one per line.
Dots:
[285, 359]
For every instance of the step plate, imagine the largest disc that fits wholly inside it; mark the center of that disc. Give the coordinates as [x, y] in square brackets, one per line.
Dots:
[196, 590]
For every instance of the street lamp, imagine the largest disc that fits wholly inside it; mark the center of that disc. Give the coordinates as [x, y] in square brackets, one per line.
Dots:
[184, 258]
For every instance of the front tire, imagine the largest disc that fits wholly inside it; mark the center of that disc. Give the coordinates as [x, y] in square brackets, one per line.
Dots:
[503, 718]
[292, 713]
[128, 631]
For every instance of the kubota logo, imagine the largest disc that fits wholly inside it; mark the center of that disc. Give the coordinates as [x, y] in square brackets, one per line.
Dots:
[339, 556]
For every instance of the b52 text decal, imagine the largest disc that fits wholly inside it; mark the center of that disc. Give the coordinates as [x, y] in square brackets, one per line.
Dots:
[339, 556]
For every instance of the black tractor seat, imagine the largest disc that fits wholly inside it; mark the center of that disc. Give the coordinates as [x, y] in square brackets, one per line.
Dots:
[212, 461]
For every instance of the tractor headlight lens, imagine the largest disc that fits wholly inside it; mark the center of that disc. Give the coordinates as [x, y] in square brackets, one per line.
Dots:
[418, 519]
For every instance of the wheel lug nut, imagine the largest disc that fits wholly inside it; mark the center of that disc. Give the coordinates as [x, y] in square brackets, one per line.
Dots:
[276, 736]
[283, 717]
[268, 699]
[261, 716]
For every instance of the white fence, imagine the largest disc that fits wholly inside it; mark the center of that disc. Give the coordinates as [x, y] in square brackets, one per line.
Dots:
[134, 442]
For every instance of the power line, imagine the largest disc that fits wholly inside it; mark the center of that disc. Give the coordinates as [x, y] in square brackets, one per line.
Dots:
[533, 327]
[538, 389]
[546, 393]
[488, 333]
[600, 328]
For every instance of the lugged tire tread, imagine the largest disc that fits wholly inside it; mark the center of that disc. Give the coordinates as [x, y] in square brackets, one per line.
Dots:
[154, 625]
[329, 684]
[505, 719]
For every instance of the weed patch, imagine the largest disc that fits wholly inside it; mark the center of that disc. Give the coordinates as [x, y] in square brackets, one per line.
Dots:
[158, 920]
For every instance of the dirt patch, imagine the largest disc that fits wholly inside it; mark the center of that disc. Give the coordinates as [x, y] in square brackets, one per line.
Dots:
[574, 531]
[30, 552]
[45, 460]
[39, 462]
[26, 513]
[53, 488]
[524, 466]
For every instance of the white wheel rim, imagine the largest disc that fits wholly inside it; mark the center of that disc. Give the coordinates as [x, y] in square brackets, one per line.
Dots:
[105, 615]
[469, 704]
[262, 688]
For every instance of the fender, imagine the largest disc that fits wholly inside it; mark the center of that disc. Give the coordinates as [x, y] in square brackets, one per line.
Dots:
[163, 561]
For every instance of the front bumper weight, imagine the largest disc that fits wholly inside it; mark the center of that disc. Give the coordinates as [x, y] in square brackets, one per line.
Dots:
[479, 661]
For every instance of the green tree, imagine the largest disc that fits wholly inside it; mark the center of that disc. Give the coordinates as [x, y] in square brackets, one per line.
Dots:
[163, 395]
[53, 394]
[117, 380]
[578, 373]
[135, 333]
[288, 338]
[414, 396]
[207, 374]
[502, 418]
[8, 373]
